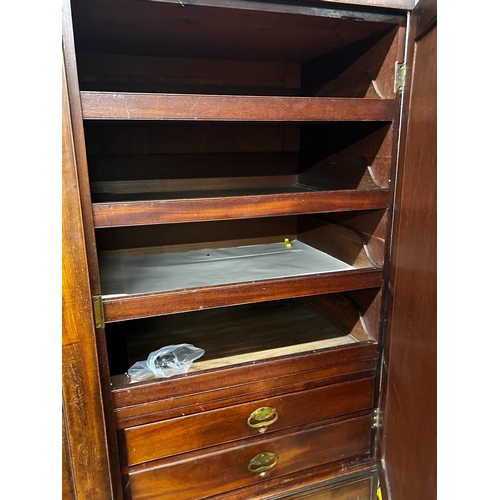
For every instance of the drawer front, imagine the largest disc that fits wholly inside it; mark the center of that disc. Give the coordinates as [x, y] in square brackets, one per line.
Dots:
[360, 489]
[205, 474]
[201, 430]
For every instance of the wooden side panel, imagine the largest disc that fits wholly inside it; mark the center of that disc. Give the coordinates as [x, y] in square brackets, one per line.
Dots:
[80, 373]
[409, 418]
[68, 486]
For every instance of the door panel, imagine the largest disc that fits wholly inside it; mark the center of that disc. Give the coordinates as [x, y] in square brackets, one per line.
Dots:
[408, 434]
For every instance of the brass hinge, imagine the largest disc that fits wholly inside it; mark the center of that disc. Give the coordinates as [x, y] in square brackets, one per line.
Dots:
[400, 77]
[98, 311]
[376, 418]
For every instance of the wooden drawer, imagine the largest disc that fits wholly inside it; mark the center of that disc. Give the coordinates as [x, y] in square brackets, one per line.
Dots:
[202, 430]
[359, 489]
[199, 475]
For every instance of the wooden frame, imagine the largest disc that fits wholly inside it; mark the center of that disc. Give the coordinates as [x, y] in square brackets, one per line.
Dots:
[86, 394]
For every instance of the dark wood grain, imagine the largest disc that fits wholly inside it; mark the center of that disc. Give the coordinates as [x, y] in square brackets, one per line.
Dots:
[201, 476]
[345, 244]
[371, 225]
[82, 197]
[163, 137]
[360, 489]
[390, 4]
[234, 47]
[155, 304]
[226, 30]
[78, 137]
[82, 396]
[214, 384]
[118, 72]
[325, 480]
[130, 213]
[425, 17]
[158, 411]
[369, 306]
[234, 335]
[408, 434]
[142, 240]
[364, 69]
[130, 106]
[209, 428]
[68, 485]
[371, 73]
[192, 167]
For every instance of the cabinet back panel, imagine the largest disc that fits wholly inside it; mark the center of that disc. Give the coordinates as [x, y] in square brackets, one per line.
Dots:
[156, 138]
[195, 236]
[145, 161]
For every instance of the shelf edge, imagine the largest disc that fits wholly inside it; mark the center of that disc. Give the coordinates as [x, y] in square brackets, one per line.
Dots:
[204, 107]
[158, 304]
[137, 213]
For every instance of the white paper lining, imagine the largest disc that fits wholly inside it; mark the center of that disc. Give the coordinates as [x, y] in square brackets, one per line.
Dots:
[134, 274]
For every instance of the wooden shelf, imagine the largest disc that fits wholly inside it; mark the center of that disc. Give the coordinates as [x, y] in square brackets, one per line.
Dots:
[155, 304]
[241, 334]
[135, 106]
[179, 395]
[157, 211]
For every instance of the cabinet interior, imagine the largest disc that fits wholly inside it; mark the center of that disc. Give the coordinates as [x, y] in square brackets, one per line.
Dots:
[249, 333]
[138, 161]
[236, 190]
[169, 47]
[147, 259]
[188, 207]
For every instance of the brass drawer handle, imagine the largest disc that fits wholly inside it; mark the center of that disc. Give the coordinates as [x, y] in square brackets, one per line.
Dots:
[262, 462]
[261, 416]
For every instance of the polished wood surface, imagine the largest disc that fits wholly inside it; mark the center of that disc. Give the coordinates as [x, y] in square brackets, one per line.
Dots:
[170, 238]
[189, 171]
[360, 489]
[83, 403]
[251, 387]
[409, 413]
[75, 113]
[391, 4]
[425, 17]
[155, 304]
[241, 333]
[131, 106]
[163, 137]
[319, 480]
[68, 485]
[209, 428]
[115, 214]
[151, 165]
[228, 382]
[224, 469]
[133, 73]
[227, 30]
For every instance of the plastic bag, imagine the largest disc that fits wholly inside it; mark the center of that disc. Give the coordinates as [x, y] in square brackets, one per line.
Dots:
[165, 362]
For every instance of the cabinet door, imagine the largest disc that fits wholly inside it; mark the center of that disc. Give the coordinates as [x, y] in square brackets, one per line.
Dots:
[408, 432]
